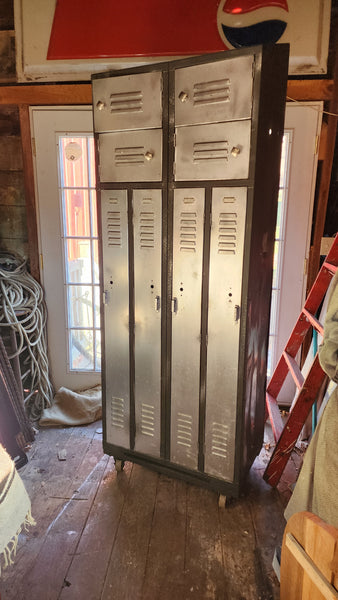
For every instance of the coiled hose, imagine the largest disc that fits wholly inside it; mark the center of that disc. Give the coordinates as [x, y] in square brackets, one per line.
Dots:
[22, 307]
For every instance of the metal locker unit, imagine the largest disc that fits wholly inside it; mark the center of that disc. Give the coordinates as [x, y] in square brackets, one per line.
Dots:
[189, 151]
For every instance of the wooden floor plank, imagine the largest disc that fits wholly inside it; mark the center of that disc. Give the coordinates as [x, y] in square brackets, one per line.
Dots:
[204, 574]
[86, 575]
[166, 556]
[61, 540]
[239, 543]
[127, 565]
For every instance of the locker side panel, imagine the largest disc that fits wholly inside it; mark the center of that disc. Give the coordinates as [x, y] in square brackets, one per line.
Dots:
[225, 286]
[147, 220]
[186, 324]
[116, 314]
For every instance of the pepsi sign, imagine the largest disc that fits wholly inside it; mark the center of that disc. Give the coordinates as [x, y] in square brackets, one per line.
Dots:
[244, 23]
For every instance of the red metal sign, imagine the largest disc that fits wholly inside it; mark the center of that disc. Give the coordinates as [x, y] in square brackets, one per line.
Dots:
[83, 29]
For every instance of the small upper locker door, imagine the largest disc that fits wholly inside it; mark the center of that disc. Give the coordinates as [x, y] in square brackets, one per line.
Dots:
[128, 118]
[213, 120]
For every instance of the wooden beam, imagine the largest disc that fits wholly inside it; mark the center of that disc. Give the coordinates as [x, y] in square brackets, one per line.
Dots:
[46, 94]
[81, 93]
[28, 171]
[309, 89]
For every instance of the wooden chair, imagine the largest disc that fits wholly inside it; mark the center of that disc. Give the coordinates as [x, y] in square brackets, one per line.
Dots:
[309, 561]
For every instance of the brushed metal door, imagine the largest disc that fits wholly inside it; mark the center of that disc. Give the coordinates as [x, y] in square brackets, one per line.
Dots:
[217, 151]
[147, 221]
[131, 156]
[116, 314]
[225, 286]
[128, 102]
[214, 92]
[186, 324]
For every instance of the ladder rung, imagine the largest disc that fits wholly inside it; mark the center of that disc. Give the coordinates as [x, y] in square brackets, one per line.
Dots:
[275, 416]
[294, 370]
[314, 322]
[330, 267]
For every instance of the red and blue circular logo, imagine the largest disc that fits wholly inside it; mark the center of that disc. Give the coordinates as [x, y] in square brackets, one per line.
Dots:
[243, 23]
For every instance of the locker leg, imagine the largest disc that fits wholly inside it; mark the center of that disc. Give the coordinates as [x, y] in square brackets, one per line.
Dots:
[222, 500]
[119, 464]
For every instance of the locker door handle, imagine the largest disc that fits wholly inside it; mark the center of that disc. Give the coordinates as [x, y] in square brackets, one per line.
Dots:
[157, 303]
[237, 312]
[174, 305]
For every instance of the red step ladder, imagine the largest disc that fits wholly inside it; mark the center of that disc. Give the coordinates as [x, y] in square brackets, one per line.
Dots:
[286, 435]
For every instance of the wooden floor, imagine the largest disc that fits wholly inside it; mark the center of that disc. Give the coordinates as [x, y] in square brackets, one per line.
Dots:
[137, 534]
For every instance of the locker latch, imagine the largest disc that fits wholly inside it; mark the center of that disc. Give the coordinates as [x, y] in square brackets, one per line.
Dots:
[237, 312]
[174, 305]
[157, 303]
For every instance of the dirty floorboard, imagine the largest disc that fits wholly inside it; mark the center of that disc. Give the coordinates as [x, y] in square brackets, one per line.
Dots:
[137, 534]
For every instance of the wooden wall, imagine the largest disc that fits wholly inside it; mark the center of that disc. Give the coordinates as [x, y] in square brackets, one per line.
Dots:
[13, 226]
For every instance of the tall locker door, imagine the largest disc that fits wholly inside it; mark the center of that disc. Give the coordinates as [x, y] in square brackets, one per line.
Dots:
[225, 286]
[186, 324]
[147, 221]
[116, 317]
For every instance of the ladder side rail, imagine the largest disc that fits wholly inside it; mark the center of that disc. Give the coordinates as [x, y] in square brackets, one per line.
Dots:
[292, 346]
[294, 423]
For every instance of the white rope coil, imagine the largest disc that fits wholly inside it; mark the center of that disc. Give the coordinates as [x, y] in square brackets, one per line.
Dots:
[22, 307]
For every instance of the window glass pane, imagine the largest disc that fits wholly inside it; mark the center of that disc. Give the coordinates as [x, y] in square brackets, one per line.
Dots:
[273, 313]
[279, 214]
[74, 162]
[81, 350]
[271, 353]
[276, 265]
[92, 174]
[78, 261]
[98, 351]
[284, 158]
[77, 215]
[94, 213]
[80, 306]
[96, 261]
[97, 307]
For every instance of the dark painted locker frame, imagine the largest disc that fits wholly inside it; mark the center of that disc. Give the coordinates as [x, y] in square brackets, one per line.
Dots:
[268, 107]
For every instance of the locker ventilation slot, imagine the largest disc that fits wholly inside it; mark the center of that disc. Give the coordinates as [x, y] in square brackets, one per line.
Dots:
[126, 102]
[211, 151]
[210, 92]
[147, 230]
[117, 412]
[188, 237]
[184, 430]
[129, 156]
[227, 233]
[219, 440]
[147, 420]
[114, 234]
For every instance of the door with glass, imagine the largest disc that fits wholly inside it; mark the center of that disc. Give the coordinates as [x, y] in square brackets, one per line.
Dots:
[68, 240]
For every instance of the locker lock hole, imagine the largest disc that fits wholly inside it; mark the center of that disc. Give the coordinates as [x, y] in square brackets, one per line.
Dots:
[152, 286]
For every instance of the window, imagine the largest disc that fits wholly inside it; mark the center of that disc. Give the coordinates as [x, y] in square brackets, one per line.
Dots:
[279, 249]
[80, 251]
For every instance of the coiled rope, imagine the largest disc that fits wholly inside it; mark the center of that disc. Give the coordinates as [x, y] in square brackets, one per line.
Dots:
[22, 307]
